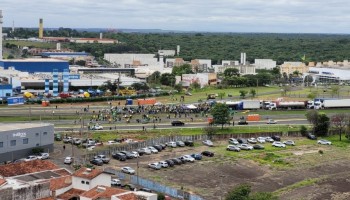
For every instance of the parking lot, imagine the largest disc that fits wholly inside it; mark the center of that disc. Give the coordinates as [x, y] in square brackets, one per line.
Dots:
[270, 169]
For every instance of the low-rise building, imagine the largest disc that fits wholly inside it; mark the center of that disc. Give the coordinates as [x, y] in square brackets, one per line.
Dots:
[18, 140]
[290, 67]
[264, 63]
[203, 79]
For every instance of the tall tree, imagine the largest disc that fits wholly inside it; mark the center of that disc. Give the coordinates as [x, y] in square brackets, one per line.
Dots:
[183, 69]
[229, 72]
[323, 124]
[167, 79]
[312, 117]
[252, 92]
[242, 93]
[221, 114]
[339, 122]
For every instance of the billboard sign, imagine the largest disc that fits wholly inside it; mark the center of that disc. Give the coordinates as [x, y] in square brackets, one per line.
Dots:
[15, 101]
[74, 76]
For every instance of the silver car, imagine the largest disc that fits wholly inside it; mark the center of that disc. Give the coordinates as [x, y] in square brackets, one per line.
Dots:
[154, 166]
[325, 142]
[128, 170]
[208, 143]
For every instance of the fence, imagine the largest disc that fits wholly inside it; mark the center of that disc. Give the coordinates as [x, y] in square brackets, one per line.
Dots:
[173, 192]
[165, 139]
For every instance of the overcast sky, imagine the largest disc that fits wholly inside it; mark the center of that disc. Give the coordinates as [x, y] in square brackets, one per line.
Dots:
[286, 16]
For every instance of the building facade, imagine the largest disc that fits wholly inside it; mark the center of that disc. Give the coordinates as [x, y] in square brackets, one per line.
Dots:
[265, 64]
[35, 65]
[18, 140]
[290, 67]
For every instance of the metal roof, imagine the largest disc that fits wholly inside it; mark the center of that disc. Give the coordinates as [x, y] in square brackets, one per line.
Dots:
[19, 126]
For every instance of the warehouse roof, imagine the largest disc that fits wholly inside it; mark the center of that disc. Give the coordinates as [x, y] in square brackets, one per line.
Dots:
[19, 126]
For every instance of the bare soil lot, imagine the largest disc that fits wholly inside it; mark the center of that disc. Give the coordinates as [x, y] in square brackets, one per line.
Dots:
[298, 172]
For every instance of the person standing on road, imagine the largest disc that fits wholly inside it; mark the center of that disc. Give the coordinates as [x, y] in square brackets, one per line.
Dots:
[64, 147]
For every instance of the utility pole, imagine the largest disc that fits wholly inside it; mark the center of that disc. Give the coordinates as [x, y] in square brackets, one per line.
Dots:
[118, 82]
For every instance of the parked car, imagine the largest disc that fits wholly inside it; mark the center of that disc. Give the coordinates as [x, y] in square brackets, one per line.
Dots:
[181, 160]
[271, 121]
[245, 147]
[129, 186]
[135, 154]
[146, 151]
[269, 139]
[163, 145]
[119, 156]
[242, 141]
[163, 164]
[128, 170]
[111, 142]
[176, 161]
[171, 144]
[180, 143]
[76, 141]
[242, 122]
[170, 163]
[91, 148]
[68, 160]
[154, 165]
[104, 158]
[208, 143]
[127, 154]
[177, 123]
[187, 158]
[189, 143]
[58, 137]
[233, 141]
[258, 146]
[158, 147]
[289, 142]
[311, 136]
[152, 149]
[325, 142]
[276, 138]
[67, 140]
[252, 140]
[146, 190]
[208, 153]
[30, 158]
[278, 144]
[197, 156]
[96, 161]
[43, 156]
[233, 148]
[116, 182]
[261, 139]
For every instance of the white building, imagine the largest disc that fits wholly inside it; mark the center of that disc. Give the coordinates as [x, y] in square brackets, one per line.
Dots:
[167, 52]
[203, 79]
[127, 60]
[264, 63]
[327, 73]
[86, 179]
[243, 69]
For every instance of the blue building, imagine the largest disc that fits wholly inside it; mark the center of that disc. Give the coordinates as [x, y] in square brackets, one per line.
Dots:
[5, 90]
[35, 65]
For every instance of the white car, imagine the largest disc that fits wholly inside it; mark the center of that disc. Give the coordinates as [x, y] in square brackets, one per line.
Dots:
[271, 121]
[252, 140]
[91, 148]
[187, 158]
[261, 139]
[208, 143]
[111, 142]
[163, 164]
[154, 166]
[171, 144]
[278, 144]
[68, 160]
[29, 158]
[289, 142]
[116, 182]
[233, 141]
[269, 139]
[245, 147]
[43, 156]
[152, 149]
[135, 154]
[97, 127]
[147, 151]
[128, 170]
[325, 142]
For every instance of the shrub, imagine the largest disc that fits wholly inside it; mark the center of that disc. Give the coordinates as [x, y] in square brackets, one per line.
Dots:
[320, 151]
[37, 150]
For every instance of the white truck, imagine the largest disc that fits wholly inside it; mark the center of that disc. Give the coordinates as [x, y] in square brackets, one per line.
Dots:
[287, 105]
[251, 105]
[333, 103]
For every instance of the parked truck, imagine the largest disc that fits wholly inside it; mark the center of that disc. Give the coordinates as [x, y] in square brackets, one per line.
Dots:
[251, 105]
[332, 103]
[287, 105]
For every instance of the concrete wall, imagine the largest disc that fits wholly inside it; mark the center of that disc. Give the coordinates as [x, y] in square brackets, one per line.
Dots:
[37, 137]
[26, 192]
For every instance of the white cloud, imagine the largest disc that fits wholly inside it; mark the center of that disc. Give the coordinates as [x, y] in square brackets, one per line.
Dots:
[195, 15]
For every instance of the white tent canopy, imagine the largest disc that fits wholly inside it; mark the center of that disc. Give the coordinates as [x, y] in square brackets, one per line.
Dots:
[191, 106]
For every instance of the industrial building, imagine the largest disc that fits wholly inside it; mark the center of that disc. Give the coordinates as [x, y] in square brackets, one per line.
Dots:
[265, 64]
[64, 55]
[18, 140]
[34, 65]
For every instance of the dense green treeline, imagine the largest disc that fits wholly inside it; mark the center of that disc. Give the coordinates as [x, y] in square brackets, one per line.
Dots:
[215, 46]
